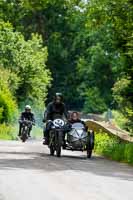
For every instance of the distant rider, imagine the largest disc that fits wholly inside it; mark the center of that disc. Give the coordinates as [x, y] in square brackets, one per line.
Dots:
[26, 115]
[54, 109]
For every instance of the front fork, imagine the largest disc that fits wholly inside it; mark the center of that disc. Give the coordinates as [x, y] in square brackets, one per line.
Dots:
[51, 138]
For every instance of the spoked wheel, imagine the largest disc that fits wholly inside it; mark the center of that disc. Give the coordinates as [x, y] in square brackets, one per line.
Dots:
[23, 137]
[52, 150]
[52, 143]
[58, 150]
[24, 134]
[58, 144]
[90, 144]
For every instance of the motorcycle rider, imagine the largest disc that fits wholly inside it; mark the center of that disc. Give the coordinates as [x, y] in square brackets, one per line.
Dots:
[75, 118]
[26, 115]
[54, 109]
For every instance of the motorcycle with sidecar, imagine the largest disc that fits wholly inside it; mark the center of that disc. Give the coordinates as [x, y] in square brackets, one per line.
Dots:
[76, 138]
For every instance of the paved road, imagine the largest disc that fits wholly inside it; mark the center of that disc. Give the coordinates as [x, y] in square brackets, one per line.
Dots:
[27, 172]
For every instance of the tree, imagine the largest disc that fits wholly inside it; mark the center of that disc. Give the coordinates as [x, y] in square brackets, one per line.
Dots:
[110, 24]
[8, 106]
[89, 45]
[27, 60]
[54, 21]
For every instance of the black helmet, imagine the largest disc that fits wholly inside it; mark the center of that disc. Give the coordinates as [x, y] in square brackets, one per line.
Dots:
[58, 94]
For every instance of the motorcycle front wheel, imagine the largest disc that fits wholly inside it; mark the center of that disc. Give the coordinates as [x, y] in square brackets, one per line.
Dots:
[24, 137]
[58, 143]
[52, 150]
[52, 143]
[89, 153]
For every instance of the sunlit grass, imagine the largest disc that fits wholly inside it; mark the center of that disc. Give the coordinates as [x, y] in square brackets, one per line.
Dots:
[10, 132]
[7, 132]
[114, 148]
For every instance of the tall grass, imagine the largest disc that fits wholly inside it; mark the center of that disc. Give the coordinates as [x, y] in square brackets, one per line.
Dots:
[119, 119]
[10, 132]
[113, 148]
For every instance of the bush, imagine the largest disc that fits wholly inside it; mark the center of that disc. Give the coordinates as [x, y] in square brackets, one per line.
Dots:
[8, 108]
[112, 147]
[7, 132]
[119, 119]
[122, 92]
[26, 59]
[94, 103]
[128, 152]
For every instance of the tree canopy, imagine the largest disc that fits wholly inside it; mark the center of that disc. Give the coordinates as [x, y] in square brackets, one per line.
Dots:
[24, 76]
[86, 45]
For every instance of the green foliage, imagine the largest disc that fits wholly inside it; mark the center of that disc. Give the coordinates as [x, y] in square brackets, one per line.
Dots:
[123, 90]
[96, 72]
[26, 59]
[111, 147]
[8, 107]
[23, 74]
[54, 21]
[93, 102]
[6, 132]
[90, 46]
[107, 60]
[8, 79]
[119, 119]
[128, 152]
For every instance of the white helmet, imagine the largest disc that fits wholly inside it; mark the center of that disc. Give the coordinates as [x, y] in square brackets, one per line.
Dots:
[28, 107]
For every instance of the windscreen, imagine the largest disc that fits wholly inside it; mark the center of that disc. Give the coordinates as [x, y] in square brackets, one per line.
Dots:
[78, 126]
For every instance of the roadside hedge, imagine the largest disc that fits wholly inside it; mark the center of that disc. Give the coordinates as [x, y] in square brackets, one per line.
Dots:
[7, 132]
[114, 148]
[8, 107]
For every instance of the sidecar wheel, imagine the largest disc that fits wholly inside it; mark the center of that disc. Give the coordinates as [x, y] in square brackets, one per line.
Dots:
[58, 151]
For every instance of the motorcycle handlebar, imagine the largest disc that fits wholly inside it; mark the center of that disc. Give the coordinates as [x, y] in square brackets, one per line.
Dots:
[28, 121]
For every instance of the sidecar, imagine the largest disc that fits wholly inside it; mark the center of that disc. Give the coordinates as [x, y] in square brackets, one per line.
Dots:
[78, 139]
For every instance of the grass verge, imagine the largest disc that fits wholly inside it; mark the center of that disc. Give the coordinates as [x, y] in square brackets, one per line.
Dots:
[9, 132]
[112, 147]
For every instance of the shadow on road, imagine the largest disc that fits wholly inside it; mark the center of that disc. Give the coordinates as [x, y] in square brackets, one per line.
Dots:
[46, 163]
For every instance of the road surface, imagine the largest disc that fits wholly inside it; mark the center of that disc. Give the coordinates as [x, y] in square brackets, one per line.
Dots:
[27, 172]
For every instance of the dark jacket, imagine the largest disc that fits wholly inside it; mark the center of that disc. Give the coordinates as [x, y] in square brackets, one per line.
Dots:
[27, 116]
[54, 110]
